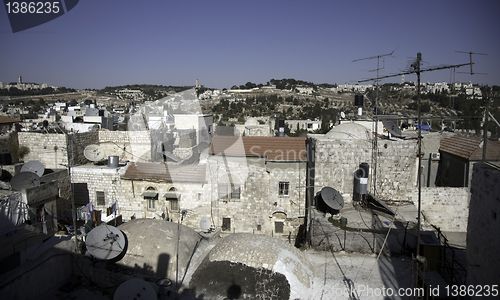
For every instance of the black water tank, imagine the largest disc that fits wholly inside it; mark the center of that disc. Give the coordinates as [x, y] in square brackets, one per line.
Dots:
[361, 179]
[358, 100]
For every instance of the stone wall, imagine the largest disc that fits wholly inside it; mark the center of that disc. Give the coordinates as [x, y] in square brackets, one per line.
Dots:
[128, 145]
[52, 148]
[99, 179]
[49, 148]
[128, 194]
[445, 207]
[335, 161]
[9, 144]
[191, 197]
[483, 239]
[260, 204]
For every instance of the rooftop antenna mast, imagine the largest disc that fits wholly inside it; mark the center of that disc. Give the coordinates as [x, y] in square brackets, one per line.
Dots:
[375, 115]
[486, 104]
[470, 61]
[416, 68]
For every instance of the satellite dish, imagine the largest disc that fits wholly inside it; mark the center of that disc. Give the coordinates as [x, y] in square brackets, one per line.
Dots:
[332, 198]
[205, 223]
[24, 180]
[135, 288]
[33, 166]
[392, 127]
[94, 153]
[342, 115]
[105, 242]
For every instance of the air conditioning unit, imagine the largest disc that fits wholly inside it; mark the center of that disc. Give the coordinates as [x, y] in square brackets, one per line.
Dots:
[435, 156]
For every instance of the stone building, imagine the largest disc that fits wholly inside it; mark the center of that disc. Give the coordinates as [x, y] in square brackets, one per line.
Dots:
[458, 154]
[253, 127]
[259, 184]
[128, 145]
[157, 190]
[52, 148]
[483, 240]
[144, 190]
[309, 125]
[335, 156]
[9, 150]
[257, 187]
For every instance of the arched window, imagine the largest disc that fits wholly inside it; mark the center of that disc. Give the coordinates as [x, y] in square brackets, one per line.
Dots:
[151, 195]
[173, 198]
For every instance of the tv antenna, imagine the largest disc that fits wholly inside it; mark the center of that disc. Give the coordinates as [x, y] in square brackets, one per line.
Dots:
[486, 105]
[375, 113]
[416, 68]
[470, 61]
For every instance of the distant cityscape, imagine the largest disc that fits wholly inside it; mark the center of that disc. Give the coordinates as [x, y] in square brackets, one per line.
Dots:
[287, 181]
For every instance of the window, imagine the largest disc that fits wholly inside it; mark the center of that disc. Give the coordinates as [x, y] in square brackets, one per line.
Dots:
[259, 227]
[283, 188]
[151, 203]
[235, 191]
[222, 191]
[278, 227]
[173, 198]
[100, 198]
[151, 196]
[226, 194]
[174, 204]
[226, 224]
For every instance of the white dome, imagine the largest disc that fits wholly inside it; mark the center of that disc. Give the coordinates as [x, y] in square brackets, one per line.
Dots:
[351, 131]
[252, 122]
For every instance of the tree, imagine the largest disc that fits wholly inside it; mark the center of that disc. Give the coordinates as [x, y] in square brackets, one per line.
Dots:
[22, 151]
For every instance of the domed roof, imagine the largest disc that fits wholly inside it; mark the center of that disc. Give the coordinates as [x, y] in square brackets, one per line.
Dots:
[251, 122]
[350, 131]
[238, 265]
[152, 246]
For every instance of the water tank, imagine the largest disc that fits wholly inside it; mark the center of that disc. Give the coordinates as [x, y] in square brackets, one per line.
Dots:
[361, 179]
[359, 100]
[113, 161]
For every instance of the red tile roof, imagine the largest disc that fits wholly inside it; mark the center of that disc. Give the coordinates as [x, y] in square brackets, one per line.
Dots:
[268, 147]
[160, 172]
[470, 148]
[8, 120]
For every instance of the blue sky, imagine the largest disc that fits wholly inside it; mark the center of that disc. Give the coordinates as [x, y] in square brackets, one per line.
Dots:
[222, 43]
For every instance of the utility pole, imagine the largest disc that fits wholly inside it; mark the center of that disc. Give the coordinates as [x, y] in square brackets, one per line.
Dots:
[416, 66]
[73, 207]
[416, 69]
[485, 125]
